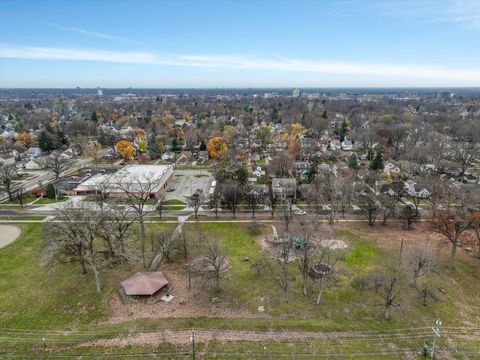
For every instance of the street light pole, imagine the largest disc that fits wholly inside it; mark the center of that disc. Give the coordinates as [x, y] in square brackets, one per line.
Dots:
[436, 333]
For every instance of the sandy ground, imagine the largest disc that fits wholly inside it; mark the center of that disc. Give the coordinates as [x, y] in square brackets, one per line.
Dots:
[8, 234]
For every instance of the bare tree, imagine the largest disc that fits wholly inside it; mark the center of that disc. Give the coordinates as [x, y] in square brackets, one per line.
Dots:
[421, 262]
[159, 204]
[252, 199]
[7, 175]
[232, 194]
[324, 271]
[118, 229]
[216, 199]
[370, 207]
[409, 215]
[464, 154]
[184, 245]
[278, 268]
[281, 165]
[57, 163]
[287, 213]
[19, 194]
[195, 201]
[75, 236]
[308, 251]
[452, 224]
[138, 192]
[271, 201]
[216, 261]
[164, 244]
[388, 206]
[393, 284]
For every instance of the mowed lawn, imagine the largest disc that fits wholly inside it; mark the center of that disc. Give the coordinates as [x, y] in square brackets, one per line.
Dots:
[35, 296]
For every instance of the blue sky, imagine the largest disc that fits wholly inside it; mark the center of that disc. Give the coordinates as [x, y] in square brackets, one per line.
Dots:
[243, 43]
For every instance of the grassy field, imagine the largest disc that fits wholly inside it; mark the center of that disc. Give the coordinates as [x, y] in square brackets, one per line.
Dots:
[50, 201]
[34, 297]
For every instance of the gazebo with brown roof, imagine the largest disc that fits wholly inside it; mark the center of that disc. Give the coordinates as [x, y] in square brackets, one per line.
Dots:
[144, 283]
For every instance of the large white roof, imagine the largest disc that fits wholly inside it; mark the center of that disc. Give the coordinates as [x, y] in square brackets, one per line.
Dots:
[133, 175]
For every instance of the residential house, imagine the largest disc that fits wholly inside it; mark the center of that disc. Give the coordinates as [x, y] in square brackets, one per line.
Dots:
[302, 169]
[184, 158]
[284, 188]
[34, 164]
[7, 159]
[33, 152]
[347, 145]
[391, 169]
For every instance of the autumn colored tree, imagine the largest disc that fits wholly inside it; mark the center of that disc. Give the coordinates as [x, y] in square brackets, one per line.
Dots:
[125, 149]
[216, 146]
[265, 135]
[27, 139]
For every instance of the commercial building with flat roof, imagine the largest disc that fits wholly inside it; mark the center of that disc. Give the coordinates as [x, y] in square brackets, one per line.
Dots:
[153, 179]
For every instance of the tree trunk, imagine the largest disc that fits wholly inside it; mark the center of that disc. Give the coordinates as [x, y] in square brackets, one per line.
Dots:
[320, 293]
[98, 281]
[452, 254]
[387, 312]
[142, 235]
[82, 265]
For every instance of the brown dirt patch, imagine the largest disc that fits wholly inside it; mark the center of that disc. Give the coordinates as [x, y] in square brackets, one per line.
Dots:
[197, 302]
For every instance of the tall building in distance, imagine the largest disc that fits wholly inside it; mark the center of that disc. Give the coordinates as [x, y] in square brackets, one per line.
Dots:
[99, 92]
[296, 92]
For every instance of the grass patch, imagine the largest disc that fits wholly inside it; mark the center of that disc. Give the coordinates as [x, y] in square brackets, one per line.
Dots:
[22, 217]
[50, 201]
[174, 202]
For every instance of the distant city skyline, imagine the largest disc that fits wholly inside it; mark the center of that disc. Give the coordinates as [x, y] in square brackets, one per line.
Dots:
[216, 44]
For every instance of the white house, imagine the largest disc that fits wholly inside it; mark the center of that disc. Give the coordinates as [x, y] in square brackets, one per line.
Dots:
[391, 169]
[34, 164]
[347, 145]
[7, 159]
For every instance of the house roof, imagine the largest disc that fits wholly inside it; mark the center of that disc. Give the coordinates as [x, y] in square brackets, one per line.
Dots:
[144, 283]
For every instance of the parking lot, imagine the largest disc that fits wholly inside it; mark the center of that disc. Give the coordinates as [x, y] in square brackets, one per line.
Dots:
[186, 182]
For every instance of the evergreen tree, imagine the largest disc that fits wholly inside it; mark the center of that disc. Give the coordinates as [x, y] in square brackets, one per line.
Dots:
[174, 144]
[324, 115]
[153, 148]
[353, 161]
[94, 116]
[203, 146]
[377, 162]
[50, 190]
[45, 143]
[60, 139]
[242, 175]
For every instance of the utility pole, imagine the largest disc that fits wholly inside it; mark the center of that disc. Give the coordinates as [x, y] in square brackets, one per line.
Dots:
[436, 333]
[192, 340]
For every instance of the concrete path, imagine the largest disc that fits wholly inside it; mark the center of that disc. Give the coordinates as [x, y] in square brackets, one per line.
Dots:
[8, 234]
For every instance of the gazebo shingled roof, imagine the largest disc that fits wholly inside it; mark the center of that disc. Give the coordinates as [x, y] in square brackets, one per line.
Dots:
[144, 283]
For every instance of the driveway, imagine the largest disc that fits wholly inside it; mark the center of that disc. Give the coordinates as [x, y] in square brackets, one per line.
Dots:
[186, 182]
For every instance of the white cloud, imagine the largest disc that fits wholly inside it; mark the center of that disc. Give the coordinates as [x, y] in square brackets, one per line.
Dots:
[90, 33]
[459, 77]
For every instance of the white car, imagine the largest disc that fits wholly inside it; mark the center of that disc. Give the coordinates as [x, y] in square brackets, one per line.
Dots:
[299, 212]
